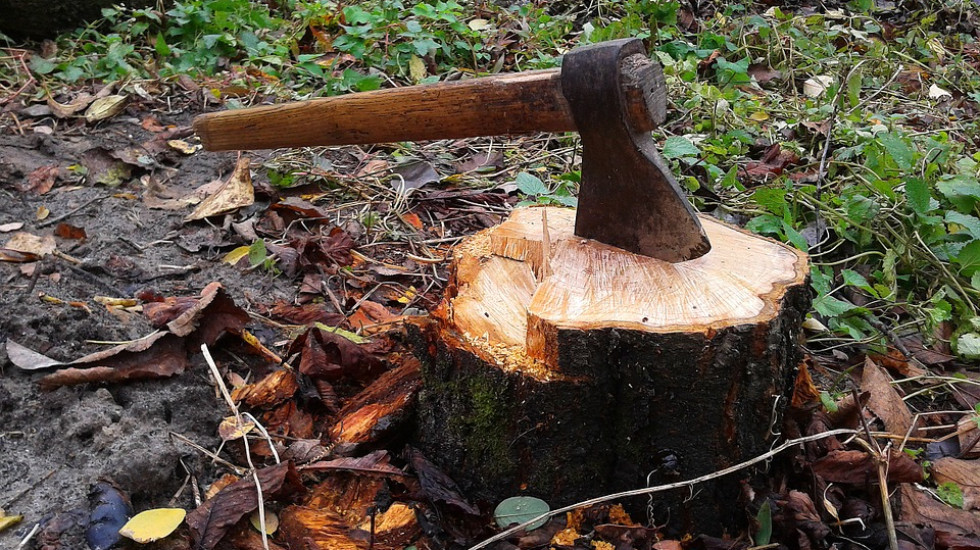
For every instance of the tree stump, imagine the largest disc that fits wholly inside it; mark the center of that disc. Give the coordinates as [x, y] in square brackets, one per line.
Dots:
[567, 369]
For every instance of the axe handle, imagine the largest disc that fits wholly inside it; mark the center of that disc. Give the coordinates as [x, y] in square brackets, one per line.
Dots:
[519, 103]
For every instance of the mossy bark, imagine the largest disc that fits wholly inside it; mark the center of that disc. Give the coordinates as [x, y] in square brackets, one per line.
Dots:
[642, 409]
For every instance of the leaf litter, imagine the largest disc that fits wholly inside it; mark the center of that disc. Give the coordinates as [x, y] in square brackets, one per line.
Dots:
[362, 487]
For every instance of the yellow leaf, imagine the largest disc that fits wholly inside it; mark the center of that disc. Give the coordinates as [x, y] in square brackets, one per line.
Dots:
[341, 332]
[8, 521]
[408, 296]
[759, 116]
[152, 525]
[231, 428]
[236, 255]
[271, 522]
[183, 146]
[105, 107]
[416, 68]
[43, 212]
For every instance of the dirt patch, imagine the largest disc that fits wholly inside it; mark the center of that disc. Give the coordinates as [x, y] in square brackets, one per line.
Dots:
[56, 445]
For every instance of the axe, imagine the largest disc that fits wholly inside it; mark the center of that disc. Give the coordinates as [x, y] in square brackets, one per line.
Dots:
[611, 93]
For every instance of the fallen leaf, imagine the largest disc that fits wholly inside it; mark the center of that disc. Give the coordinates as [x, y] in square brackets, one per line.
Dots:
[416, 68]
[236, 192]
[935, 92]
[42, 178]
[102, 168]
[151, 525]
[7, 522]
[210, 521]
[968, 436]
[376, 462]
[12, 226]
[66, 231]
[208, 317]
[236, 255]
[183, 146]
[105, 107]
[762, 73]
[23, 241]
[331, 357]
[964, 473]
[160, 355]
[42, 212]
[817, 86]
[885, 401]
[233, 427]
[16, 256]
[413, 175]
[954, 528]
[271, 522]
[860, 468]
[65, 110]
[436, 485]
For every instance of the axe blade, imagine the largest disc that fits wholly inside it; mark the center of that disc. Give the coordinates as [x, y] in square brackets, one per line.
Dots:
[628, 197]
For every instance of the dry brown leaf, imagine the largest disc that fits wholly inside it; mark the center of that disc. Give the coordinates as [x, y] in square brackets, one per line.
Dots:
[236, 192]
[105, 107]
[23, 241]
[885, 401]
[860, 468]
[160, 355]
[65, 110]
[954, 528]
[969, 436]
[211, 521]
[42, 178]
[965, 474]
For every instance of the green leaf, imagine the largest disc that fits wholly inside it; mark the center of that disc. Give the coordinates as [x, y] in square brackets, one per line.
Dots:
[829, 306]
[828, 402]
[917, 193]
[766, 224]
[531, 185]
[969, 258]
[41, 66]
[962, 191]
[764, 518]
[951, 494]
[898, 149]
[679, 146]
[520, 510]
[257, 253]
[772, 199]
[968, 345]
[971, 224]
[353, 337]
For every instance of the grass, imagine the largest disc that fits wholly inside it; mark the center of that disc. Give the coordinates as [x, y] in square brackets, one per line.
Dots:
[876, 177]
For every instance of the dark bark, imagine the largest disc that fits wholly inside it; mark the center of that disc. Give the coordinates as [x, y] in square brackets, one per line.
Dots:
[665, 406]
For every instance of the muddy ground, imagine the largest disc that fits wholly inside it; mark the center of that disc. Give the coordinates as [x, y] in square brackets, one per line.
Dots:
[55, 445]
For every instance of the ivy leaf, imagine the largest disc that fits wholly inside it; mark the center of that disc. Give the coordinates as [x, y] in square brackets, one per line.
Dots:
[679, 146]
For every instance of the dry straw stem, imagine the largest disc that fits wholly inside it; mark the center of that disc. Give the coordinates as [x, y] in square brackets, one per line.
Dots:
[661, 488]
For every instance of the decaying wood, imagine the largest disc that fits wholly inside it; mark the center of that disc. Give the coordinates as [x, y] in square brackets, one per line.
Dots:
[575, 369]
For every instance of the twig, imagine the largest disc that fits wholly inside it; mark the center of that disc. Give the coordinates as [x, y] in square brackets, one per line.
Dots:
[70, 213]
[248, 454]
[238, 471]
[23, 543]
[661, 488]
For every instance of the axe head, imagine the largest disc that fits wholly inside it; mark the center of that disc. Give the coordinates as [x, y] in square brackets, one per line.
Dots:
[627, 197]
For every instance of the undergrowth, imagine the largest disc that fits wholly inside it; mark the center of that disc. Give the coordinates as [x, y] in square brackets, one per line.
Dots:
[879, 180]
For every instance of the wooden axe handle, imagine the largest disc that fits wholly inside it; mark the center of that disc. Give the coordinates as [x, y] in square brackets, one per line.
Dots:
[519, 103]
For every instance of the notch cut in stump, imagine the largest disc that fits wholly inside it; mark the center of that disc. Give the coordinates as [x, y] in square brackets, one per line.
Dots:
[567, 369]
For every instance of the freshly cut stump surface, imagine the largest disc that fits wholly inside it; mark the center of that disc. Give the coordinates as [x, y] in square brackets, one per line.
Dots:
[567, 369]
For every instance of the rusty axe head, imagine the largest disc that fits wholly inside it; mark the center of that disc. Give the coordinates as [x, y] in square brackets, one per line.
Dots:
[611, 93]
[628, 197]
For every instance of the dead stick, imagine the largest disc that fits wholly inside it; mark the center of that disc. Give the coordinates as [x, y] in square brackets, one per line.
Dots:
[661, 488]
[70, 213]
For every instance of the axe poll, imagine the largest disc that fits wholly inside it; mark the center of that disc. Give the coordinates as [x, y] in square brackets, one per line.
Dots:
[611, 93]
